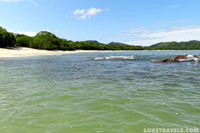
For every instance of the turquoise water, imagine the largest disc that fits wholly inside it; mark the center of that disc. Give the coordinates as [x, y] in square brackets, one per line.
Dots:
[85, 92]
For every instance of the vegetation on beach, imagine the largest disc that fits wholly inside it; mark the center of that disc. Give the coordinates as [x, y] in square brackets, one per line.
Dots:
[49, 41]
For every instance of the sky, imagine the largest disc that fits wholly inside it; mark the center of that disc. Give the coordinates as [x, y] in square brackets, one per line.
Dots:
[135, 22]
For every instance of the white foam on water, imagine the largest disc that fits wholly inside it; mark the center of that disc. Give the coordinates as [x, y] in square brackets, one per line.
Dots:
[190, 58]
[115, 58]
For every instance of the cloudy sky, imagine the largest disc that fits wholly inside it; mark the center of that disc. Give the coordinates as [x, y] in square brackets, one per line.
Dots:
[136, 22]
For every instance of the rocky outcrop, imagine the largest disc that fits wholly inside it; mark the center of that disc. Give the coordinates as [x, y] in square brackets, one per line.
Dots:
[180, 58]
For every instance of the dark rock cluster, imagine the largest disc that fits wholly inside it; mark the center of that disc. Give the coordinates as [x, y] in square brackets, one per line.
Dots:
[180, 58]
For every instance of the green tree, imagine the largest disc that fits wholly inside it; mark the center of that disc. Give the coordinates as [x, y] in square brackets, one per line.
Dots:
[23, 40]
[7, 39]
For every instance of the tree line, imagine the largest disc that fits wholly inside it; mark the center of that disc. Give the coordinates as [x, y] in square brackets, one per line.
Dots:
[49, 41]
[190, 45]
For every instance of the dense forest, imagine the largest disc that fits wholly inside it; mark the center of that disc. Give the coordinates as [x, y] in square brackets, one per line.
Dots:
[49, 41]
[7, 39]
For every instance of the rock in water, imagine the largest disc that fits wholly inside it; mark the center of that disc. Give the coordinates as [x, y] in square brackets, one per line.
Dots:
[180, 58]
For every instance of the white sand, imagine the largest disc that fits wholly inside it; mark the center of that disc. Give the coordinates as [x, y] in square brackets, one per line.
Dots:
[21, 52]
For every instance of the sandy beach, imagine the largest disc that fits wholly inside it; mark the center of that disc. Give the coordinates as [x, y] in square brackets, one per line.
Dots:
[22, 51]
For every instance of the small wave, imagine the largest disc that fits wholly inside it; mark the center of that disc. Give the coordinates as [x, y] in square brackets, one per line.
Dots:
[115, 58]
[154, 60]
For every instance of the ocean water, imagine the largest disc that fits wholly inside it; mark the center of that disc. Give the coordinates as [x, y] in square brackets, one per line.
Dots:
[101, 92]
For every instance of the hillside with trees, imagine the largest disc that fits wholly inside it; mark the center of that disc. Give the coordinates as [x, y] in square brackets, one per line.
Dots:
[191, 45]
[49, 41]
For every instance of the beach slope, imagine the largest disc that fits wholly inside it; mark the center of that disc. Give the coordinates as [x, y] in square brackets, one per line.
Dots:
[22, 51]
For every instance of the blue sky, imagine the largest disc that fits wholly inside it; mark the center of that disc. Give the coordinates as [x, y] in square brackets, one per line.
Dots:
[136, 22]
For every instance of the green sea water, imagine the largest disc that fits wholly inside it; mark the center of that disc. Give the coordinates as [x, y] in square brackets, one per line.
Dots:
[89, 93]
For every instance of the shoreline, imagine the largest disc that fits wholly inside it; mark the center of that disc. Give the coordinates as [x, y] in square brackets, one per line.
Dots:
[25, 52]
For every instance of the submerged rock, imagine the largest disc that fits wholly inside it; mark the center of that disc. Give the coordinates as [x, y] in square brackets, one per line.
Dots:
[180, 58]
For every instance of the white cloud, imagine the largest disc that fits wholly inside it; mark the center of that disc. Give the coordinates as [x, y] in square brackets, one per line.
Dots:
[57, 30]
[171, 22]
[33, 2]
[15, 1]
[174, 6]
[28, 33]
[149, 37]
[86, 13]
